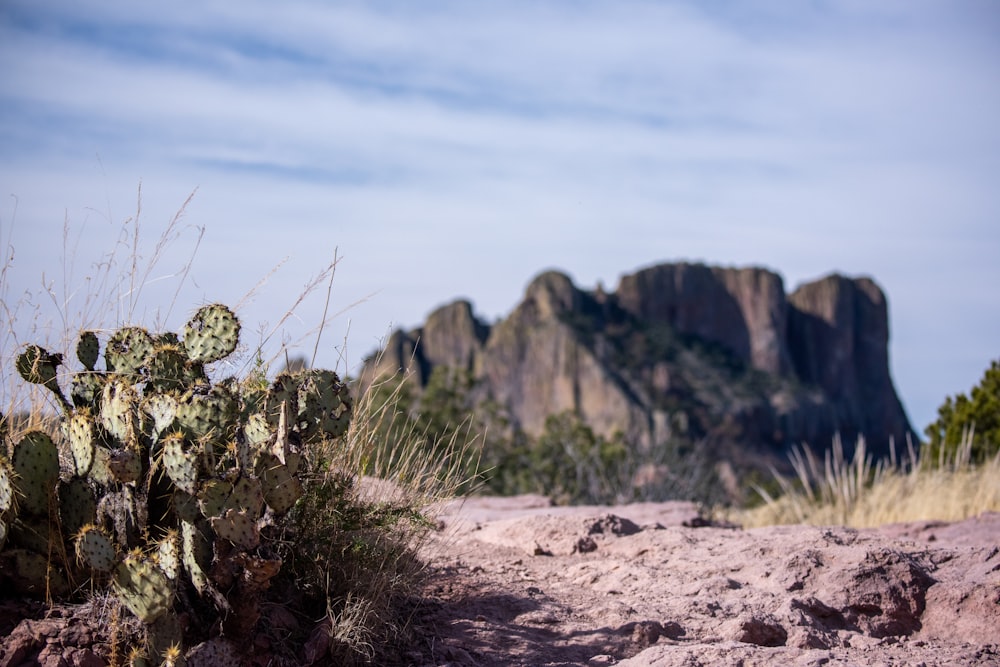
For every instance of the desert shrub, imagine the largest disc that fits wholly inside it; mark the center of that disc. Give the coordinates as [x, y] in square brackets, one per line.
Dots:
[977, 413]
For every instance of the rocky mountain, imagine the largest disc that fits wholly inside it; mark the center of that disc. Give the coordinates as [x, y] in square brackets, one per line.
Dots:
[721, 354]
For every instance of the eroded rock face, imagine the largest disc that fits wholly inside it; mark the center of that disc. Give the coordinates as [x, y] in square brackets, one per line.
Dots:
[838, 333]
[713, 352]
[742, 309]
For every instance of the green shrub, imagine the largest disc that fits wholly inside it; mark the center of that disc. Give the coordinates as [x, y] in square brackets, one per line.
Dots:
[976, 416]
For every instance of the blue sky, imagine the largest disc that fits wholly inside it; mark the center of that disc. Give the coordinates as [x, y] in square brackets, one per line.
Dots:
[449, 149]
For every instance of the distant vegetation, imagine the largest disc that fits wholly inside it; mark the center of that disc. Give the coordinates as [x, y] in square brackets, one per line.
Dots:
[567, 462]
[978, 413]
[955, 475]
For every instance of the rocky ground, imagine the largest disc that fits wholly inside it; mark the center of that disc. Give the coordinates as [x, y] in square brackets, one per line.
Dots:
[516, 582]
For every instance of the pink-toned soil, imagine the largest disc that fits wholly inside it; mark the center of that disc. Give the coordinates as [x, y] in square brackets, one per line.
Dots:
[516, 582]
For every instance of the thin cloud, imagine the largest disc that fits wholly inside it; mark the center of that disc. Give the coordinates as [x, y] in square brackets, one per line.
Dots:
[457, 148]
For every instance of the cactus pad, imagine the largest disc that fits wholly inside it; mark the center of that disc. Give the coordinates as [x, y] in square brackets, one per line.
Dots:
[324, 405]
[180, 463]
[95, 549]
[88, 349]
[37, 365]
[119, 412]
[166, 368]
[237, 527]
[32, 574]
[87, 388]
[196, 554]
[280, 488]
[162, 409]
[36, 462]
[125, 465]
[168, 554]
[77, 505]
[127, 350]
[212, 334]
[210, 415]
[247, 495]
[6, 485]
[143, 587]
[213, 496]
[80, 433]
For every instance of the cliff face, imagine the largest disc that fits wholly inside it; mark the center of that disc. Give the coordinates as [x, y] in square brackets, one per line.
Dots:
[716, 353]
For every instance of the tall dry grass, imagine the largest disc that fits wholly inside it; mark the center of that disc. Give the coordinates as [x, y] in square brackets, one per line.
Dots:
[861, 493]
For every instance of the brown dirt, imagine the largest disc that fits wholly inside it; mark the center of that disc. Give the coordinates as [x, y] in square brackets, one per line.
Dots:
[516, 582]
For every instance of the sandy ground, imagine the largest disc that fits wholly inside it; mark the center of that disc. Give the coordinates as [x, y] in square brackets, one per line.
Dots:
[516, 582]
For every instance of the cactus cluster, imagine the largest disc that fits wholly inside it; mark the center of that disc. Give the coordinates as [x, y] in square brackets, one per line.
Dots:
[163, 486]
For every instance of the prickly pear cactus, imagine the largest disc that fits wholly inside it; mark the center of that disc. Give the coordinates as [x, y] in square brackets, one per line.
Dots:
[161, 484]
[212, 334]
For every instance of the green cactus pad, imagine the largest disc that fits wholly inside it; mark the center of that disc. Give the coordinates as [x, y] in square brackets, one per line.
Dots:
[248, 496]
[180, 463]
[164, 638]
[209, 416]
[32, 574]
[196, 554]
[100, 470]
[185, 506]
[143, 587]
[237, 527]
[213, 496]
[119, 413]
[162, 409]
[212, 334]
[282, 395]
[95, 549]
[168, 554]
[6, 485]
[257, 431]
[87, 388]
[77, 505]
[88, 349]
[37, 365]
[125, 465]
[36, 464]
[166, 369]
[81, 436]
[127, 350]
[324, 405]
[280, 488]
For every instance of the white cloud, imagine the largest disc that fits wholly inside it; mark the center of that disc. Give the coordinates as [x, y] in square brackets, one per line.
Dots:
[455, 149]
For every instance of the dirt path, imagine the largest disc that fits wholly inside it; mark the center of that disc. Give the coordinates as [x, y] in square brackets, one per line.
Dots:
[519, 583]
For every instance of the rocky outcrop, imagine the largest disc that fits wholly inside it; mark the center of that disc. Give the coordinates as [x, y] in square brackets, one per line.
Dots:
[711, 352]
[741, 309]
[838, 334]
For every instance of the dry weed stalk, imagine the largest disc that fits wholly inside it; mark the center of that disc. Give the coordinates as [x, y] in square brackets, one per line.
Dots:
[859, 493]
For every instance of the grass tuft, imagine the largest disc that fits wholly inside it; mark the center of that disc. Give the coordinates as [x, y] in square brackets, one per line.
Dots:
[861, 493]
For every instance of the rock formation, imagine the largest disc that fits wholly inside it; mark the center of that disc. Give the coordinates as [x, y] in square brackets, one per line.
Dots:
[710, 352]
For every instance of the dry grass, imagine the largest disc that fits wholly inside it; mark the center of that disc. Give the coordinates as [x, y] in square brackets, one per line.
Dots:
[362, 522]
[859, 493]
